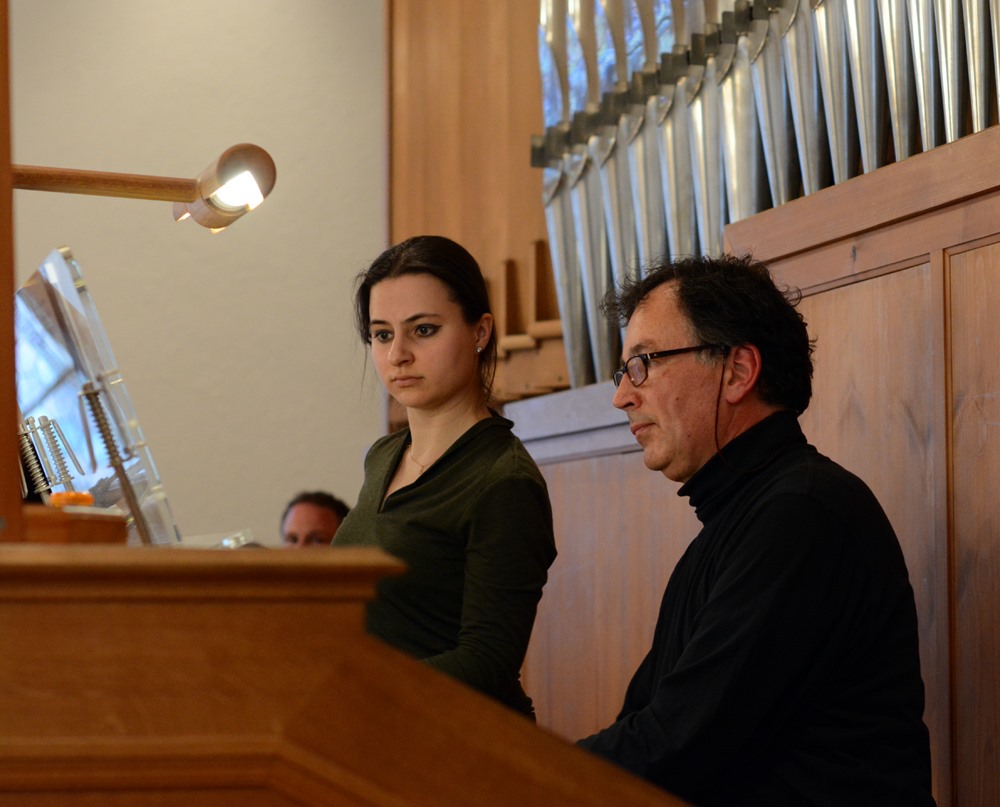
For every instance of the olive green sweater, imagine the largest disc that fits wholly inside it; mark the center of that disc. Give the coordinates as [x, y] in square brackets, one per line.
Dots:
[475, 530]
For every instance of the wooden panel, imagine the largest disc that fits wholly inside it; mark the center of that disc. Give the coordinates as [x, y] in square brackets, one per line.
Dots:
[945, 176]
[10, 484]
[939, 208]
[53, 525]
[974, 287]
[203, 677]
[620, 530]
[901, 290]
[243, 797]
[465, 100]
[876, 394]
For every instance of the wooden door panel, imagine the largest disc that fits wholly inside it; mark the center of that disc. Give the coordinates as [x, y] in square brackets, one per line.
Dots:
[876, 395]
[620, 530]
[974, 288]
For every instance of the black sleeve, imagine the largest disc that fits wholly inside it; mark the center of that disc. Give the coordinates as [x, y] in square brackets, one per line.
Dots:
[510, 548]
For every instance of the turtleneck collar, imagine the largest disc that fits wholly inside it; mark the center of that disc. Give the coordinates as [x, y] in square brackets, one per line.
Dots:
[739, 461]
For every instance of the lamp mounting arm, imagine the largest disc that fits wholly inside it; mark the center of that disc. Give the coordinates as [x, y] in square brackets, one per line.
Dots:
[234, 184]
[103, 183]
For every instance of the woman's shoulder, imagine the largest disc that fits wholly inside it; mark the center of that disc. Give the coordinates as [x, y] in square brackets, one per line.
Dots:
[386, 448]
[389, 441]
[500, 452]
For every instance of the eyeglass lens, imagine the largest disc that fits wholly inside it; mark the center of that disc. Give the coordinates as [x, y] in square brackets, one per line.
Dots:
[635, 368]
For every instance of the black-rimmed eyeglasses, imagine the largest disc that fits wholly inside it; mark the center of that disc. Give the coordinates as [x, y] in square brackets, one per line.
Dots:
[637, 367]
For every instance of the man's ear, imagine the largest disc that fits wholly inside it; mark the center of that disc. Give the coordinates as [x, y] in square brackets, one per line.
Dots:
[743, 366]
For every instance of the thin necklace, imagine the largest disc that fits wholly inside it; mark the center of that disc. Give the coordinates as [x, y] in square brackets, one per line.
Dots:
[409, 453]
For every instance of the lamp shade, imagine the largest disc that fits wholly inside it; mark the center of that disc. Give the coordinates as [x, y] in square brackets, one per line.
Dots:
[234, 184]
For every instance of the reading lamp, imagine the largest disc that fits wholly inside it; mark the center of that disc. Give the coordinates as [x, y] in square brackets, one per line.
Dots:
[235, 183]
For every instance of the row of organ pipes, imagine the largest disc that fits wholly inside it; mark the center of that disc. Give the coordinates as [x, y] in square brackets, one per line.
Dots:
[667, 119]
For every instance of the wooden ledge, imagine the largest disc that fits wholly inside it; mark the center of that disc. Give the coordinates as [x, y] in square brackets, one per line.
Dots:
[545, 329]
[33, 571]
[74, 525]
[572, 424]
[895, 192]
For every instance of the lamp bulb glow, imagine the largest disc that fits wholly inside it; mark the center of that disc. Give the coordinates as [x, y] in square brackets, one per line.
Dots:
[240, 192]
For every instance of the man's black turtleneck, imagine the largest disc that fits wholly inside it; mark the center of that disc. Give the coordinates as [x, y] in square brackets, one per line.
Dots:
[784, 666]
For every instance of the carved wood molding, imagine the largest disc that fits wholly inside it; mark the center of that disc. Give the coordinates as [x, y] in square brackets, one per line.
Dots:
[573, 424]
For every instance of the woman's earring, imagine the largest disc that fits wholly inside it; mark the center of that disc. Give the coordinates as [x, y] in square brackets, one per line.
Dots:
[479, 349]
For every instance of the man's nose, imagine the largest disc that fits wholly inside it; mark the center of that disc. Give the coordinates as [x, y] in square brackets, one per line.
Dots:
[625, 394]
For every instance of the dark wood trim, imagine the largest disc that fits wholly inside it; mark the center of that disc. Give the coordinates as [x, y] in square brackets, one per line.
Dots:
[573, 424]
[11, 524]
[945, 176]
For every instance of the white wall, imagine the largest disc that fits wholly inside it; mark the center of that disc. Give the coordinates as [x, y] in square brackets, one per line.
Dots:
[238, 348]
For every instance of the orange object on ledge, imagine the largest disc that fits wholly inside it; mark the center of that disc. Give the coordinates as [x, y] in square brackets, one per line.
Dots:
[71, 497]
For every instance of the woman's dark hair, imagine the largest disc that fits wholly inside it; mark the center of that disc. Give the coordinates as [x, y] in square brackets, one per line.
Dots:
[450, 263]
[732, 301]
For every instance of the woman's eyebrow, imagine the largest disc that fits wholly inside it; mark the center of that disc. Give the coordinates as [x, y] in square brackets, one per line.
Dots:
[412, 318]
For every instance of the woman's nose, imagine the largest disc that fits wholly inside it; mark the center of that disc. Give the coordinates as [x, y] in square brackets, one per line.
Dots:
[399, 351]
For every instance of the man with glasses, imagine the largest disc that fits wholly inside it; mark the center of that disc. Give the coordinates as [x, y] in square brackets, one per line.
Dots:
[784, 666]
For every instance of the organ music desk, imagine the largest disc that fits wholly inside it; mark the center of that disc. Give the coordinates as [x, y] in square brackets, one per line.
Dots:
[174, 676]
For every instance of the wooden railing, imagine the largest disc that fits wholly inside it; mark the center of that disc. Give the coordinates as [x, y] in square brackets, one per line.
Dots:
[218, 677]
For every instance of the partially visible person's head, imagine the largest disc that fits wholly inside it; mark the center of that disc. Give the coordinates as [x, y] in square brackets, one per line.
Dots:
[731, 301]
[312, 519]
[453, 266]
